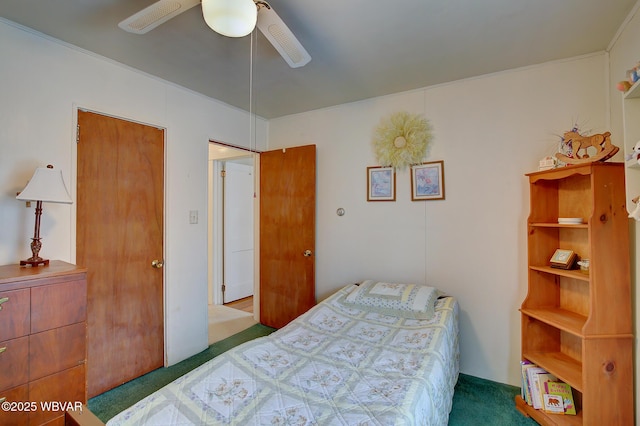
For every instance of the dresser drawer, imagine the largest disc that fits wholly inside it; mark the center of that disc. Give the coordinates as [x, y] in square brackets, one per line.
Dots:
[19, 394]
[14, 314]
[58, 305]
[14, 364]
[58, 349]
[68, 386]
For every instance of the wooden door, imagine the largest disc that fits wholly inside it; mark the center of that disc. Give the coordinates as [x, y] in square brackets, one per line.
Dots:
[120, 196]
[287, 233]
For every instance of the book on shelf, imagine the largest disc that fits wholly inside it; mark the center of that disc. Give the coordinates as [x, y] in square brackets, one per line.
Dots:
[534, 386]
[525, 390]
[553, 404]
[562, 391]
[540, 382]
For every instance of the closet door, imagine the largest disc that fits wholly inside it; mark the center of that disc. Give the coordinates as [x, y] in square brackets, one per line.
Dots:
[120, 200]
[287, 233]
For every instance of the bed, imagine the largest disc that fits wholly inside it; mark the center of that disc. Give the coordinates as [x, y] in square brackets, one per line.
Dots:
[360, 357]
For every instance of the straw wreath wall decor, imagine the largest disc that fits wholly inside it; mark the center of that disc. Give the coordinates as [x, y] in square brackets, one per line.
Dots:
[401, 140]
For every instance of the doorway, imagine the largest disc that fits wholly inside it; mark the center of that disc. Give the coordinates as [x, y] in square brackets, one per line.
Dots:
[232, 229]
[284, 233]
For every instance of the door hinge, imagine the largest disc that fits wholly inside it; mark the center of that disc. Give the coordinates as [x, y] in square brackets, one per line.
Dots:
[223, 173]
[224, 287]
[78, 134]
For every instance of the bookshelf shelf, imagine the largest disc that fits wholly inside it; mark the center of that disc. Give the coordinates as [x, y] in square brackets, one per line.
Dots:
[577, 326]
[559, 225]
[571, 273]
[547, 419]
[562, 319]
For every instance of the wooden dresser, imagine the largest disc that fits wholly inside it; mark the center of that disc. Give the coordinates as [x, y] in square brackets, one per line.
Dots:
[43, 350]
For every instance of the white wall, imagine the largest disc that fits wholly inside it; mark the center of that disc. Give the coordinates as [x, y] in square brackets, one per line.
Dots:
[43, 82]
[624, 55]
[489, 131]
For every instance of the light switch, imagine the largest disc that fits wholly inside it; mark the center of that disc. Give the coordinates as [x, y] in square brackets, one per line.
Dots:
[193, 217]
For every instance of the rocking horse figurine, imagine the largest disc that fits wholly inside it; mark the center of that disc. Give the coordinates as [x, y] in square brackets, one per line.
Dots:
[601, 142]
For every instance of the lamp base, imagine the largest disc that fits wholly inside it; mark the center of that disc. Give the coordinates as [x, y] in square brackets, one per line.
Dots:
[34, 262]
[36, 244]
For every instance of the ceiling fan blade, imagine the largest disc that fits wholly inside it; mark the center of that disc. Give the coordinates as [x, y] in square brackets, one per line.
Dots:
[156, 14]
[275, 30]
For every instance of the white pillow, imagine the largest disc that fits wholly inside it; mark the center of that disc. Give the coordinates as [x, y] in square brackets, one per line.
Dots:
[402, 300]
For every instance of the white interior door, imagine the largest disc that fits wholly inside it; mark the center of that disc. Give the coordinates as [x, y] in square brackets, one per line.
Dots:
[238, 231]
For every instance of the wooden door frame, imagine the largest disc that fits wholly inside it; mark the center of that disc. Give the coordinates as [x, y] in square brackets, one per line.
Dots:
[73, 189]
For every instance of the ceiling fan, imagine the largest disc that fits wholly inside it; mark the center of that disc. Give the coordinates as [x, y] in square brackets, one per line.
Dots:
[232, 18]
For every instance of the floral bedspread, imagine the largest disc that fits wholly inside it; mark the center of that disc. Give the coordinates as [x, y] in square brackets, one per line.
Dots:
[334, 365]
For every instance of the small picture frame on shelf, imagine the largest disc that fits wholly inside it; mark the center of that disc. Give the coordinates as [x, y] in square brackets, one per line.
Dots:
[381, 183]
[563, 259]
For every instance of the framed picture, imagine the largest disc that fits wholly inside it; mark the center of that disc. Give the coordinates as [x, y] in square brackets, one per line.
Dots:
[563, 259]
[427, 181]
[381, 184]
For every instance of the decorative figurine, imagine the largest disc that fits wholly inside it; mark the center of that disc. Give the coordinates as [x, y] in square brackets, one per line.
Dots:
[601, 142]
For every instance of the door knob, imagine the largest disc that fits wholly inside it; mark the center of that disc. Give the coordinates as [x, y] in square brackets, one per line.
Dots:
[157, 263]
[307, 253]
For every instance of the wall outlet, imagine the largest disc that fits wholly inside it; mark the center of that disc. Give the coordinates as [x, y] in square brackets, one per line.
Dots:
[193, 217]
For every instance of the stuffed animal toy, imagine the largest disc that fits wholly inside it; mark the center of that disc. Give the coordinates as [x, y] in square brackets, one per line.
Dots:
[635, 214]
[623, 86]
[635, 153]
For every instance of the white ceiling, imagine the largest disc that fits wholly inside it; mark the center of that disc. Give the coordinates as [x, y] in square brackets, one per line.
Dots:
[360, 49]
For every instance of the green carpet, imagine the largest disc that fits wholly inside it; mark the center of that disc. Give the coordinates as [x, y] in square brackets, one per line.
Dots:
[483, 402]
[475, 402]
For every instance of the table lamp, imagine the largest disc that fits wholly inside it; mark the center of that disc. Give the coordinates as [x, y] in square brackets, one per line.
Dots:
[46, 185]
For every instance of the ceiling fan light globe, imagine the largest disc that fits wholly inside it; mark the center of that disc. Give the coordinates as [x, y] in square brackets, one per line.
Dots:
[231, 18]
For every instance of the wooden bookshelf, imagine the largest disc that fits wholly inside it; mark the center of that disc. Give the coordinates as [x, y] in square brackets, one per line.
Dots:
[577, 325]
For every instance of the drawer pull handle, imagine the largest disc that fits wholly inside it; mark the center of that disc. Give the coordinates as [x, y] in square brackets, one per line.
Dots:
[2, 349]
[4, 299]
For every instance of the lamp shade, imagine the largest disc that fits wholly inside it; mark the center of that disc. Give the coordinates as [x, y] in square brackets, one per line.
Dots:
[231, 18]
[46, 185]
